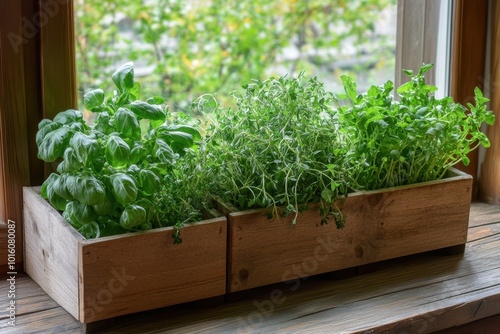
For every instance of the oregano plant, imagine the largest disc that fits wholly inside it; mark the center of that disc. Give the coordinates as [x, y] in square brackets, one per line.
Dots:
[413, 139]
[111, 171]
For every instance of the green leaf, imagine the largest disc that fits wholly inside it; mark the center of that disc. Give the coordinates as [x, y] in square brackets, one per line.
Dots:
[148, 206]
[70, 162]
[132, 217]
[156, 100]
[105, 208]
[69, 116]
[86, 148]
[44, 129]
[135, 91]
[138, 153]
[148, 182]
[350, 88]
[60, 187]
[44, 122]
[163, 151]
[184, 128]
[407, 86]
[54, 144]
[124, 188]
[147, 111]
[126, 123]
[124, 77]
[86, 189]
[94, 99]
[79, 214]
[48, 183]
[424, 68]
[117, 152]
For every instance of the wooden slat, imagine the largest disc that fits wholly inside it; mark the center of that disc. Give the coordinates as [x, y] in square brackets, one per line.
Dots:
[13, 144]
[468, 62]
[379, 225]
[416, 37]
[33, 85]
[51, 251]
[142, 271]
[489, 184]
[58, 69]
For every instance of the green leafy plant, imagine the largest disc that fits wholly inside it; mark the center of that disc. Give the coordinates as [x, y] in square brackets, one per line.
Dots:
[111, 173]
[415, 139]
[278, 149]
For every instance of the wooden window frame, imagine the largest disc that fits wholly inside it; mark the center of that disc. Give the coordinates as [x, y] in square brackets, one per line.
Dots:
[37, 80]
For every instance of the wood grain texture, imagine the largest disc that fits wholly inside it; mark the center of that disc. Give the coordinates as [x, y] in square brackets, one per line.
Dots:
[379, 225]
[416, 37]
[423, 294]
[123, 274]
[142, 271]
[468, 64]
[51, 251]
[13, 131]
[489, 183]
[57, 56]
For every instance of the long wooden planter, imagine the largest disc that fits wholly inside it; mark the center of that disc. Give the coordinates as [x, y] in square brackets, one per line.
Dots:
[112, 276]
[380, 225]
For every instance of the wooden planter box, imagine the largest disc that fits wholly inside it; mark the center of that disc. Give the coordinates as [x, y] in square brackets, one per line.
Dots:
[380, 225]
[112, 276]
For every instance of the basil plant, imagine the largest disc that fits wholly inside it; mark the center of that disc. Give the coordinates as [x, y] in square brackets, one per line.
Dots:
[108, 172]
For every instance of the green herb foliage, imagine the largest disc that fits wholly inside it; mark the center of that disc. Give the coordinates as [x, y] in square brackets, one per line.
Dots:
[415, 139]
[278, 149]
[111, 173]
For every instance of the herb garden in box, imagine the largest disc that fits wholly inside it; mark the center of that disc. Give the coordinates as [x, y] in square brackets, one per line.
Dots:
[318, 184]
[309, 183]
[130, 171]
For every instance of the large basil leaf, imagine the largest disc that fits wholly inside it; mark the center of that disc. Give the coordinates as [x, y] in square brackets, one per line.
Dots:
[48, 182]
[117, 152]
[60, 187]
[138, 153]
[44, 129]
[79, 214]
[87, 149]
[70, 162]
[54, 144]
[164, 152]
[124, 77]
[149, 182]
[57, 201]
[148, 206]
[48, 192]
[86, 189]
[103, 124]
[126, 123]
[184, 128]
[106, 208]
[94, 99]
[147, 111]
[69, 116]
[124, 188]
[132, 216]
